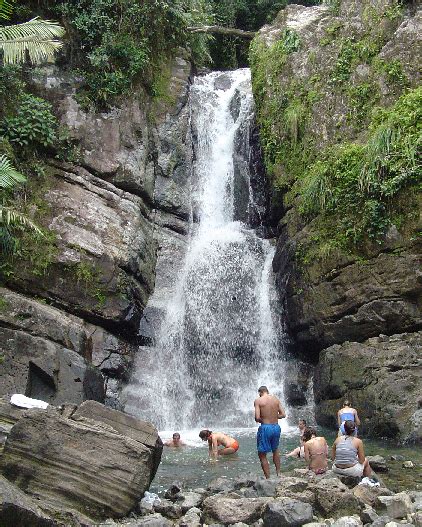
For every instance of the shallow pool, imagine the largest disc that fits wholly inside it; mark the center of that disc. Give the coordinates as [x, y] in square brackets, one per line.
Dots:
[191, 466]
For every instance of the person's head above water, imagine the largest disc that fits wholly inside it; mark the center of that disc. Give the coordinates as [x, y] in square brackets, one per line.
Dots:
[205, 434]
[262, 390]
[349, 427]
[308, 433]
[176, 437]
[302, 424]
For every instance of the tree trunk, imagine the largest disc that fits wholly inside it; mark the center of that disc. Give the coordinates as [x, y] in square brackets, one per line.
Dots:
[222, 31]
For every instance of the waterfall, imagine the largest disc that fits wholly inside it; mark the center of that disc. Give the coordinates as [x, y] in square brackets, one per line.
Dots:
[220, 337]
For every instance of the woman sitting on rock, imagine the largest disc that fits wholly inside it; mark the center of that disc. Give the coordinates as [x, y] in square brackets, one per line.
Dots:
[216, 439]
[348, 454]
[316, 450]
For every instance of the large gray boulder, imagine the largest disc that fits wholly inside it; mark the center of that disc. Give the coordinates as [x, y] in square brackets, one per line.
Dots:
[228, 510]
[383, 378]
[287, 512]
[97, 467]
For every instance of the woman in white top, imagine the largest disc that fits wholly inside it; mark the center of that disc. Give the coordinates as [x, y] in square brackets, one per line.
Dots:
[348, 454]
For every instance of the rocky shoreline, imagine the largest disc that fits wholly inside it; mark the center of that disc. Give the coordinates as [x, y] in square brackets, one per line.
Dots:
[296, 499]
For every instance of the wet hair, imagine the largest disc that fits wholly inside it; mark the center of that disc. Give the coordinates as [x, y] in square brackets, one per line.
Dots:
[308, 433]
[263, 389]
[302, 421]
[346, 402]
[205, 434]
[176, 435]
[349, 427]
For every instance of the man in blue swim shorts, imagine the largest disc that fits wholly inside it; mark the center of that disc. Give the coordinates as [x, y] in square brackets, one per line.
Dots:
[268, 411]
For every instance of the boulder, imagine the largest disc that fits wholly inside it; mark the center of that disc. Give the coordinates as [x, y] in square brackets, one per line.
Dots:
[397, 506]
[19, 510]
[368, 514]
[153, 520]
[83, 464]
[368, 495]
[333, 498]
[192, 518]
[220, 485]
[348, 521]
[287, 512]
[170, 510]
[378, 463]
[296, 488]
[228, 510]
[126, 425]
[381, 376]
[266, 487]
[188, 500]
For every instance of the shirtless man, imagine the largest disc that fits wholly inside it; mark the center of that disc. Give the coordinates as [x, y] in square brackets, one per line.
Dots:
[268, 411]
[216, 439]
[175, 442]
[316, 451]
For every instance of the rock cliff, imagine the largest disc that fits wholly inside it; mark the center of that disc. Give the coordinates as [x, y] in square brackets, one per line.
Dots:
[75, 302]
[321, 76]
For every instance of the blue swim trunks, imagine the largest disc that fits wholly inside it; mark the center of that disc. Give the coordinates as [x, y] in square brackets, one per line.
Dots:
[268, 438]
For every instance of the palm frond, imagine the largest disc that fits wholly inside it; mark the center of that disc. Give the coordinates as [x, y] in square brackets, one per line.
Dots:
[9, 177]
[11, 218]
[5, 9]
[35, 38]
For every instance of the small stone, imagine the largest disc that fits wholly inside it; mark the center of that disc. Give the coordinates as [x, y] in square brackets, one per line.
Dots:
[378, 463]
[408, 464]
[172, 491]
[397, 457]
[368, 514]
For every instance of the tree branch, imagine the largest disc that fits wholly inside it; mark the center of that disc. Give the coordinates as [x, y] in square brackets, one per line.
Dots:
[222, 31]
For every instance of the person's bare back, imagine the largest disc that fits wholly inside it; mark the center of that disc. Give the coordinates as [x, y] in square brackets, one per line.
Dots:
[270, 409]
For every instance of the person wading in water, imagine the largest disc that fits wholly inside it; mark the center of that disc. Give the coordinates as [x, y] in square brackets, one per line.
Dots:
[216, 439]
[268, 411]
[347, 413]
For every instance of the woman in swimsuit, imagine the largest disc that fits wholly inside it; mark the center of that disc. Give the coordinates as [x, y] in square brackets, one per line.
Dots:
[348, 454]
[216, 439]
[347, 413]
[316, 451]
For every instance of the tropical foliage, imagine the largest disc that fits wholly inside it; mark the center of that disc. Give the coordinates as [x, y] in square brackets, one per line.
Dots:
[11, 220]
[35, 40]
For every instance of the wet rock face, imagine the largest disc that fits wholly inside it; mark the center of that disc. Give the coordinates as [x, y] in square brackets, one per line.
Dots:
[383, 378]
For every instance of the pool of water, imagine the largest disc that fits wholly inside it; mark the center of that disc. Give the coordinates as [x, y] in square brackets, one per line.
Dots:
[191, 466]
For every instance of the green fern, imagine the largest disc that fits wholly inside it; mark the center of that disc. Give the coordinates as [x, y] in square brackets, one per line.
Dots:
[5, 9]
[9, 177]
[34, 39]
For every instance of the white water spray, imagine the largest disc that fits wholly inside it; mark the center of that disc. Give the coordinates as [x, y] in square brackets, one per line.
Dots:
[221, 336]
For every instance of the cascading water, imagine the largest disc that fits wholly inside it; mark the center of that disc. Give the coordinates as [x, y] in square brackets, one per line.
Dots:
[220, 338]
